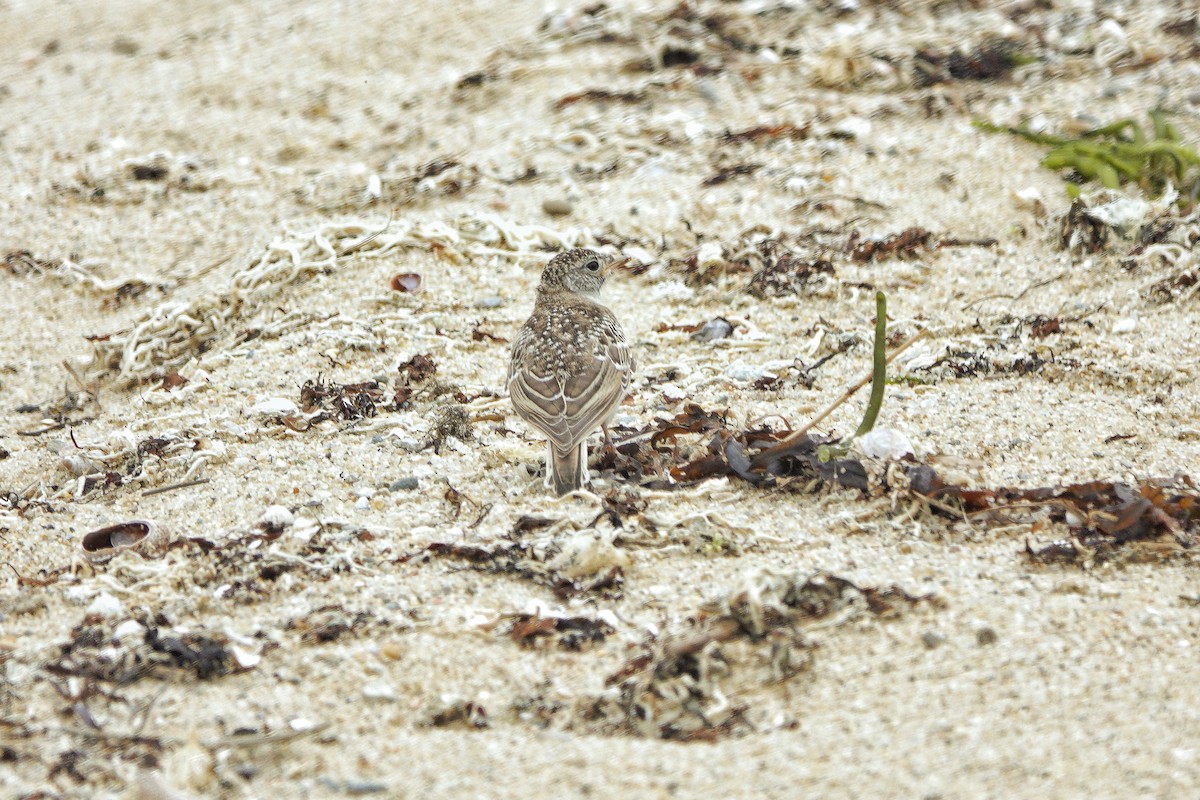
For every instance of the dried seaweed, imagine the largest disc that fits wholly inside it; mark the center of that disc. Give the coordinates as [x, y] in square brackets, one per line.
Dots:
[679, 684]
[567, 633]
[1106, 521]
[169, 335]
[466, 713]
[524, 561]
[339, 401]
[763, 133]
[418, 368]
[993, 59]
[786, 273]
[905, 244]
[90, 653]
[600, 96]
[450, 422]
[727, 173]
[329, 623]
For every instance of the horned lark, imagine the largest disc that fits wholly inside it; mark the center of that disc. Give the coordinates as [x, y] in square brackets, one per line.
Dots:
[570, 364]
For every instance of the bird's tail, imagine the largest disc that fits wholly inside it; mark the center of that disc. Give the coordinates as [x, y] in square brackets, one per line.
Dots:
[567, 471]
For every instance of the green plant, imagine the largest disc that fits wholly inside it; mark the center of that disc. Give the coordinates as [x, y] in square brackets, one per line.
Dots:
[1118, 153]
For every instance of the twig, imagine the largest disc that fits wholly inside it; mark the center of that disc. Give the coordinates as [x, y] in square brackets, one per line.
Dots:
[848, 393]
[174, 486]
[275, 737]
[1015, 297]
[39, 431]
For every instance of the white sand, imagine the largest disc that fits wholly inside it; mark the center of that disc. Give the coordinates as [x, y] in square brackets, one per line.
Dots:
[286, 111]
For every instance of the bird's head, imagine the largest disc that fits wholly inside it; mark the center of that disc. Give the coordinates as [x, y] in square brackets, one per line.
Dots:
[580, 270]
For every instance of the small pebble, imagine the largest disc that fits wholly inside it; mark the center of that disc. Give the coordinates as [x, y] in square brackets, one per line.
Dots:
[125, 47]
[885, 443]
[719, 328]
[364, 787]
[378, 690]
[741, 371]
[491, 301]
[673, 393]
[129, 629]
[392, 650]
[276, 518]
[404, 484]
[274, 406]
[1124, 325]
[932, 639]
[362, 503]
[557, 207]
[985, 636]
[105, 605]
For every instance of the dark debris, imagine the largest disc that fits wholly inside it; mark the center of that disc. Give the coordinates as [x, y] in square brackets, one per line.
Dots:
[520, 560]
[762, 133]
[93, 653]
[993, 59]
[568, 633]
[329, 623]
[730, 172]
[670, 687]
[340, 401]
[600, 96]
[1103, 517]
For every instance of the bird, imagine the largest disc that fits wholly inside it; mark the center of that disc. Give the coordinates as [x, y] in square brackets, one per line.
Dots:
[571, 365]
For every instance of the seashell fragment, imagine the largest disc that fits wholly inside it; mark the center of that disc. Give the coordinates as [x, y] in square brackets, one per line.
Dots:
[142, 536]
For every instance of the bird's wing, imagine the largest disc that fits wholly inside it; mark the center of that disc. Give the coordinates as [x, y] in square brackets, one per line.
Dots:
[568, 404]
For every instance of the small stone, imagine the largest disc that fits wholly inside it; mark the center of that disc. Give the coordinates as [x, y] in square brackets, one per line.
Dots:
[719, 328]
[276, 518]
[274, 406]
[885, 443]
[1124, 325]
[672, 392]
[853, 127]
[404, 484]
[391, 650]
[246, 659]
[589, 553]
[362, 503]
[378, 690]
[932, 639]
[105, 605]
[557, 207]
[358, 787]
[741, 371]
[490, 301]
[407, 443]
[128, 629]
[125, 47]
[986, 635]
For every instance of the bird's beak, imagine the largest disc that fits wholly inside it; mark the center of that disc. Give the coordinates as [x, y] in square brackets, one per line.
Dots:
[619, 262]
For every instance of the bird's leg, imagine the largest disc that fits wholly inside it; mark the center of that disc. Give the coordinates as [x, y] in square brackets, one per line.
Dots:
[608, 442]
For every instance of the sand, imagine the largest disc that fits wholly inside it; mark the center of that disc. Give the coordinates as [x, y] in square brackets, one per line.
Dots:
[290, 160]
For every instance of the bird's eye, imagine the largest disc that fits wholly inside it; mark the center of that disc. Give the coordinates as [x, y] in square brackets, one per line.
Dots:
[593, 265]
